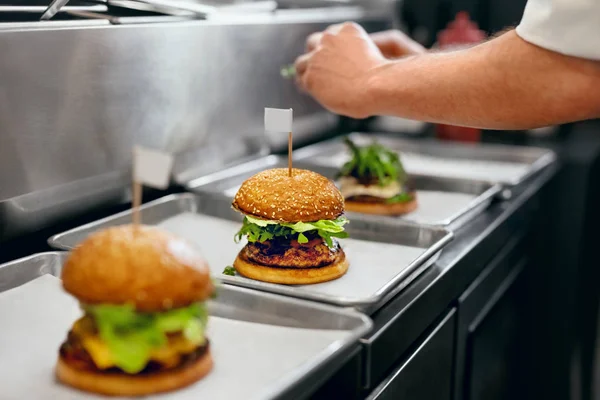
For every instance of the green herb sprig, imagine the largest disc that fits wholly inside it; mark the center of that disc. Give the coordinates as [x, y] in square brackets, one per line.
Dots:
[288, 71]
[373, 163]
[229, 270]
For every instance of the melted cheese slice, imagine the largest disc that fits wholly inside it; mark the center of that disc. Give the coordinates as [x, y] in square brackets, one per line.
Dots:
[349, 187]
[168, 355]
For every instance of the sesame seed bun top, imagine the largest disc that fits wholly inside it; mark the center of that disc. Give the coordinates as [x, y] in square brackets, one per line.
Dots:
[145, 266]
[306, 196]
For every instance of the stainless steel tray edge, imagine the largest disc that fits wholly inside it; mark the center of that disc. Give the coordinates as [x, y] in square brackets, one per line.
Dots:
[355, 337]
[57, 241]
[442, 237]
[369, 310]
[262, 162]
[537, 166]
[366, 304]
[478, 205]
[547, 158]
[51, 262]
[453, 222]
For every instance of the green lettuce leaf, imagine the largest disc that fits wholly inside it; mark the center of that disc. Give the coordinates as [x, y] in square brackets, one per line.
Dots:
[194, 331]
[260, 230]
[131, 336]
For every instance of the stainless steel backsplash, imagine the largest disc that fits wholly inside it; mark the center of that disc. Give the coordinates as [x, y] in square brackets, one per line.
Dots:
[74, 101]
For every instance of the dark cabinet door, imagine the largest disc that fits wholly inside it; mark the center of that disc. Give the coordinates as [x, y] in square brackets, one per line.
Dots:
[345, 383]
[491, 328]
[427, 372]
[495, 347]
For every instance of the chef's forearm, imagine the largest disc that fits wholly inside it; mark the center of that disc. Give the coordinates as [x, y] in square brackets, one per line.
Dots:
[505, 83]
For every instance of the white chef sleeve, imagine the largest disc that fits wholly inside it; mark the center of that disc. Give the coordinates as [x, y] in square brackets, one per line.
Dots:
[570, 27]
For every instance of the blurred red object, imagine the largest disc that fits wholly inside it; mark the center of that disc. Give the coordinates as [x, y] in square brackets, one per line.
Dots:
[462, 32]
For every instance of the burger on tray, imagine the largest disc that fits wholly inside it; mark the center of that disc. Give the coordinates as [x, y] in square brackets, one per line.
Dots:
[142, 292]
[291, 224]
[373, 181]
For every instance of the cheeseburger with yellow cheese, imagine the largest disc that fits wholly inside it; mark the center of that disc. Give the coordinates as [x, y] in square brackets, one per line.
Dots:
[142, 292]
[373, 181]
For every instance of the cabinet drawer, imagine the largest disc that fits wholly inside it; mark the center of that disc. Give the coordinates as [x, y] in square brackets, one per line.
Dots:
[427, 372]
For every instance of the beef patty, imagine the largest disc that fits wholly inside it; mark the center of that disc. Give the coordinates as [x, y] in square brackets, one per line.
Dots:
[287, 253]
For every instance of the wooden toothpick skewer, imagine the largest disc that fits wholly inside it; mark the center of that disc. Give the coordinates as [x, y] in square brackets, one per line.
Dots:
[137, 200]
[290, 154]
[137, 196]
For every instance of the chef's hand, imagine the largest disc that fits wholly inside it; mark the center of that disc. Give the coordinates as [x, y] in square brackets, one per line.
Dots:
[337, 68]
[392, 43]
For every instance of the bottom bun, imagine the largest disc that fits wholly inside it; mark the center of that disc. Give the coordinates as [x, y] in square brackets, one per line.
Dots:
[381, 208]
[292, 276]
[115, 384]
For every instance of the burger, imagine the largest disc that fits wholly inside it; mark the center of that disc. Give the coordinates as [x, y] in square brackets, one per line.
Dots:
[373, 181]
[142, 293]
[292, 224]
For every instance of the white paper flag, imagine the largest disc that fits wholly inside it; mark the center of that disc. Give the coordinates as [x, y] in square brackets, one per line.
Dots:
[152, 168]
[278, 120]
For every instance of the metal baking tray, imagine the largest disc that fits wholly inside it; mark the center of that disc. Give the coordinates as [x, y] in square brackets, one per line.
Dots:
[18, 272]
[447, 202]
[494, 163]
[39, 9]
[384, 258]
[270, 346]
